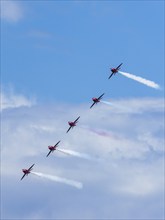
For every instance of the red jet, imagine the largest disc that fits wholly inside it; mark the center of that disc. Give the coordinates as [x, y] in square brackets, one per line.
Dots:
[26, 171]
[115, 70]
[52, 148]
[72, 124]
[96, 100]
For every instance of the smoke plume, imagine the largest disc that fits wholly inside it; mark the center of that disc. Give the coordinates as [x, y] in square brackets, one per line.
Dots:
[76, 184]
[76, 154]
[141, 80]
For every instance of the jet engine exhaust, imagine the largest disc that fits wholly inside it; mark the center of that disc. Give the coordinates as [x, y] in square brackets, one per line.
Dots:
[141, 80]
[115, 105]
[76, 184]
[76, 154]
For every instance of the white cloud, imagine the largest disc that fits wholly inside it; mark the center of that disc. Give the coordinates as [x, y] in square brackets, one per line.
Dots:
[11, 11]
[13, 100]
[127, 169]
[156, 143]
[142, 180]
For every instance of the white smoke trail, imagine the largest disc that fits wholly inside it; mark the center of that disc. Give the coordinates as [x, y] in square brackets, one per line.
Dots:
[141, 80]
[115, 105]
[63, 151]
[76, 184]
[121, 108]
[76, 154]
[105, 102]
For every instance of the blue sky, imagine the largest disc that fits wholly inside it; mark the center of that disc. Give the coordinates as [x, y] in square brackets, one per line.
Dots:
[63, 50]
[55, 56]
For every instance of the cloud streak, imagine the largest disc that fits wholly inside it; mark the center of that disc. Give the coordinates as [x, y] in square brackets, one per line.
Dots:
[11, 11]
[13, 100]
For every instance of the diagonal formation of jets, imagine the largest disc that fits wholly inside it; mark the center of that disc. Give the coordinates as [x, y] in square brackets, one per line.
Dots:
[72, 124]
[95, 100]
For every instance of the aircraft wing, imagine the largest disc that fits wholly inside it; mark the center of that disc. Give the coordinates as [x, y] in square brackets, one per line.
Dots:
[57, 144]
[111, 75]
[30, 167]
[77, 119]
[93, 104]
[119, 66]
[69, 129]
[48, 153]
[101, 96]
[23, 176]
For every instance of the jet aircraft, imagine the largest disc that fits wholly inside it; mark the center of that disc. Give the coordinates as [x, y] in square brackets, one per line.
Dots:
[115, 70]
[72, 124]
[96, 100]
[52, 148]
[26, 171]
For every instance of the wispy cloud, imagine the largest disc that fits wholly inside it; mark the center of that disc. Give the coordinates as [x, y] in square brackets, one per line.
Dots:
[128, 169]
[39, 34]
[11, 11]
[12, 100]
[139, 181]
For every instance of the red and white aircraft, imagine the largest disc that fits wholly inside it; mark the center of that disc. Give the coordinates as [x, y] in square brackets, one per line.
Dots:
[115, 70]
[52, 148]
[26, 171]
[96, 100]
[72, 124]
